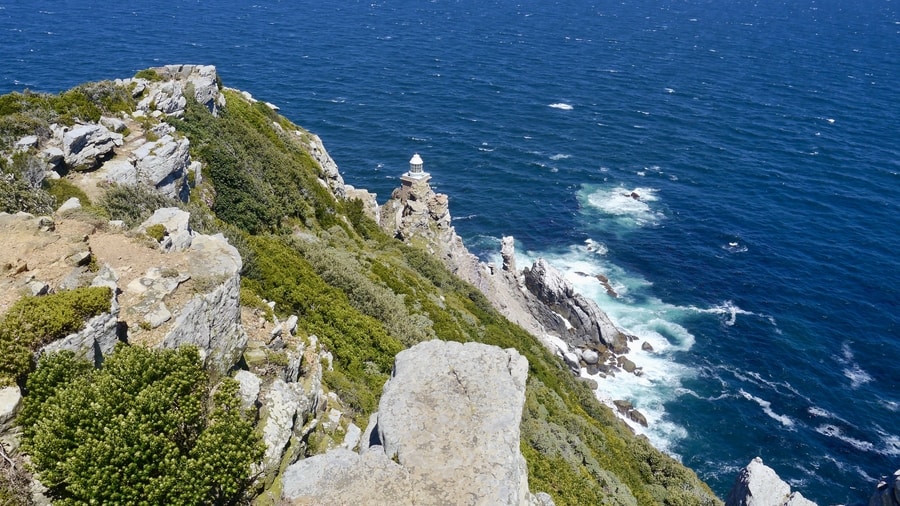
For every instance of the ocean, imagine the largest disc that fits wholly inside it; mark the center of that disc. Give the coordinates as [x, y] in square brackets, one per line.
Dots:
[761, 138]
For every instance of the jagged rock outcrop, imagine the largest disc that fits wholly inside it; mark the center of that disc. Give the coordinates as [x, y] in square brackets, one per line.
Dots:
[84, 147]
[167, 95]
[163, 164]
[759, 485]
[577, 319]
[447, 432]
[332, 177]
[211, 320]
[100, 334]
[178, 235]
[887, 492]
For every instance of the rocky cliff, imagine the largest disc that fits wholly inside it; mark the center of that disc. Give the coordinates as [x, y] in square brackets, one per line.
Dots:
[759, 485]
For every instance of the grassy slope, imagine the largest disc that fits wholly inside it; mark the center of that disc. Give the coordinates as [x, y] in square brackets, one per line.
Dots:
[367, 296]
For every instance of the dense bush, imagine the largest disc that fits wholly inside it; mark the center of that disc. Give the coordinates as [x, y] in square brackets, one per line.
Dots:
[144, 429]
[133, 203]
[261, 175]
[35, 321]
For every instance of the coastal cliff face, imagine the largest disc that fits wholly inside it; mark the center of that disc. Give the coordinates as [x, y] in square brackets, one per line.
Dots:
[215, 222]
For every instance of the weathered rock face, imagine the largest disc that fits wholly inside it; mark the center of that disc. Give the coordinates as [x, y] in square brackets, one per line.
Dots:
[163, 164]
[332, 177]
[447, 432]
[578, 319]
[85, 146]
[212, 320]
[167, 96]
[887, 492]
[759, 485]
[178, 230]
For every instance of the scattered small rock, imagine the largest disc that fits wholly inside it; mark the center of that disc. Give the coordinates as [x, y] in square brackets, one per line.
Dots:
[647, 346]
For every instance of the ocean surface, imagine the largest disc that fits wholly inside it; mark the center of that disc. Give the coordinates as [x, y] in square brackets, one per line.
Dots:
[761, 137]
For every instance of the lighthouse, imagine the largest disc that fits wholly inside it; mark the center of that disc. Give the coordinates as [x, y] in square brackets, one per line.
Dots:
[415, 170]
[415, 175]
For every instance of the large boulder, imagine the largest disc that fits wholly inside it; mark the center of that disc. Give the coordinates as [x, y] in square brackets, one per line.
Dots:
[86, 146]
[759, 485]
[211, 320]
[163, 164]
[447, 432]
[179, 235]
[574, 317]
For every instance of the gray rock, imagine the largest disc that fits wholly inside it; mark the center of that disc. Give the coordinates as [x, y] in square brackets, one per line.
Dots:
[590, 326]
[114, 124]
[53, 155]
[352, 437]
[163, 164]
[249, 388]
[26, 143]
[887, 491]
[647, 346]
[508, 253]
[590, 356]
[121, 172]
[332, 176]
[10, 402]
[212, 320]
[177, 223]
[759, 485]
[37, 288]
[450, 417]
[96, 340]
[68, 205]
[85, 146]
[158, 315]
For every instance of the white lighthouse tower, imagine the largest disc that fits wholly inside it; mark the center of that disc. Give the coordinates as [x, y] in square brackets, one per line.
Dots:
[415, 175]
[415, 169]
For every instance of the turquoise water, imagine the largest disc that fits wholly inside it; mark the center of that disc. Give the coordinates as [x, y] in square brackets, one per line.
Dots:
[762, 138]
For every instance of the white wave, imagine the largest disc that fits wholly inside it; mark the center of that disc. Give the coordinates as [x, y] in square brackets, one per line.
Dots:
[824, 413]
[669, 90]
[891, 405]
[727, 309]
[836, 432]
[890, 445]
[632, 205]
[767, 409]
[853, 371]
[562, 106]
[735, 247]
[595, 247]
[560, 156]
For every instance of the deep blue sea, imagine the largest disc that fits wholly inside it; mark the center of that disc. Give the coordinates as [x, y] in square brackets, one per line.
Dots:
[762, 136]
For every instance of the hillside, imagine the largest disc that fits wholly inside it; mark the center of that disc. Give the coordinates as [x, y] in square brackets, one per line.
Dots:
[223, 226]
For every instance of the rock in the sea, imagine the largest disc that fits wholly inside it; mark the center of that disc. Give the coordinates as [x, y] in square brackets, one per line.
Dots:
[887, 492]
[585, 324]
[759, 485]
[448, 426]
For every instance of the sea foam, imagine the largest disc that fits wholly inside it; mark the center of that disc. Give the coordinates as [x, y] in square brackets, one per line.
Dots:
[562, 106]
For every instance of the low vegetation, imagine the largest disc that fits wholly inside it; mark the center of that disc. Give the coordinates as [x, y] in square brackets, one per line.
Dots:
[147, 428]
[35, 321]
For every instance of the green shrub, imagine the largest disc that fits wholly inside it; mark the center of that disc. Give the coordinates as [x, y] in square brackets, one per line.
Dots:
[133, 203]
[148, 74]
[63, 189]
[32, 322]
[144, 429]
[156, 232]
